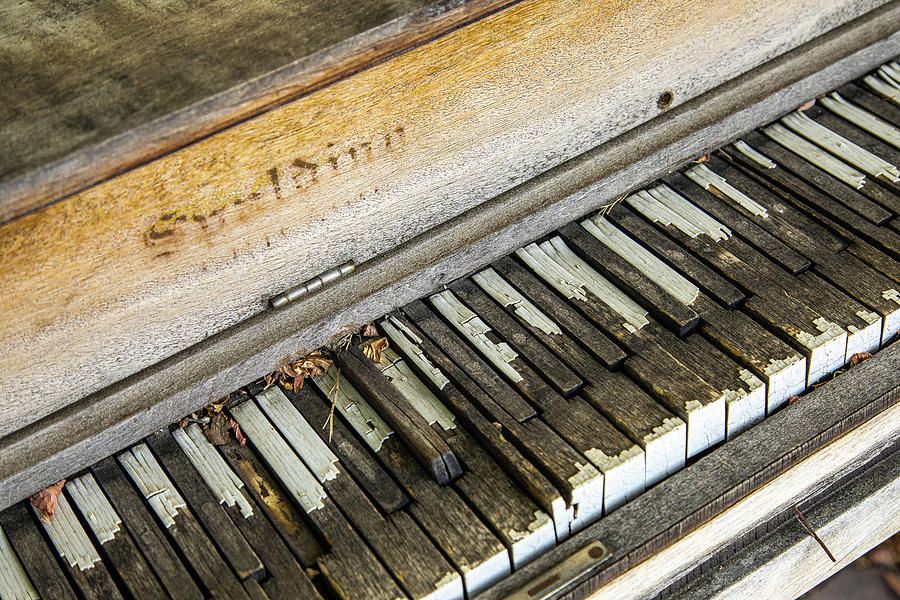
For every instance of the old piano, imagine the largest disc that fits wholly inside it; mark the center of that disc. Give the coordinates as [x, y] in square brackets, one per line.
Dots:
[631, 268]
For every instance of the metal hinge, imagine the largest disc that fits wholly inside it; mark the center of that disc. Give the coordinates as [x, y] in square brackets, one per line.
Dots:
[313, 284]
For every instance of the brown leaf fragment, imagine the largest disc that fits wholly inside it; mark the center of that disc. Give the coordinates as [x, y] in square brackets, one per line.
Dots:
[370, 330]
[892, 580]
[373, 349]
[217, 430]
[293, 373]
[859, 357]
[808, 105]
[238, 434]
[793, 399]
[703, 159]
[45, 501]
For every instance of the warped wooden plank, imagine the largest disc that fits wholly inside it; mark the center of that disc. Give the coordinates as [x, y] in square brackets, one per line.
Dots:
[145, 264]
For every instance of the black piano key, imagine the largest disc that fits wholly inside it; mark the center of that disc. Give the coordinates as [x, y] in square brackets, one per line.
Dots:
[36, 555]
[708, 280]
[235, 549]
[404, 334]
[669, 310]
[354, 457]
[143, 528]
[866, 99]
[602, 347]
[502, 396]
[738, 223]
[120, 552]
[425, 444]
[350, 567]
[557, 373]
[782, 368]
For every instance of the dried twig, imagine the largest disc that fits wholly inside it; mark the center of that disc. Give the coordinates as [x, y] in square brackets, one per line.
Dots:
[812, 532]
[605, 210]
[332, 394]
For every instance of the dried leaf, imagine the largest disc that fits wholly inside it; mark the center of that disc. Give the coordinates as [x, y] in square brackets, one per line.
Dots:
[370, 330]
[793, 399]
[46, 500]
[808, 105]
[892, 580]
[703, 159]
[238, 434]
[217, 430]
[859, 357]
[373, 349]
[292, 374]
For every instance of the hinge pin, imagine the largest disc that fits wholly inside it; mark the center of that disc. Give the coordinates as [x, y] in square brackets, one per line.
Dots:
[313, 284]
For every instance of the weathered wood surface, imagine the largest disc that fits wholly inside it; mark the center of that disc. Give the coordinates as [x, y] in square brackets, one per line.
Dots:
[147, 263]
[119, 415]
[101, 87]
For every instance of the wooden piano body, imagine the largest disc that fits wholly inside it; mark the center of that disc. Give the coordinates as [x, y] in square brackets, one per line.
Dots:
[166, 175]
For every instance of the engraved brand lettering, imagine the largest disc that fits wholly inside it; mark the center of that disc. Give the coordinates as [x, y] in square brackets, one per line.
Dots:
[279, 182]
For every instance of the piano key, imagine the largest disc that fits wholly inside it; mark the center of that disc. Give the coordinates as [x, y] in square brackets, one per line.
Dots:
[350, 566]
[865, 99]
[432, 364]
[76, 550]
[670, 309]
[416, 392]
[35, 555]
[351, 452]
[219, 478]
[254, 590]
[709, 281]
[370, 426]
[467, 298]
[861, 118]
[620, 460]
[395, 538]
[599, 345]
[121, 553]
[148, 537]
[883, 85]
[14, 582]
[708, 202]
[811, 191]
[841, 147]
[425, 444]
[223, 532]
[180, 523]
[661, 435]
[579, 481]
[782, 368]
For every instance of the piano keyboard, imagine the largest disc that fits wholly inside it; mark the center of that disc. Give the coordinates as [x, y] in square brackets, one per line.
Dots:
[520, 404]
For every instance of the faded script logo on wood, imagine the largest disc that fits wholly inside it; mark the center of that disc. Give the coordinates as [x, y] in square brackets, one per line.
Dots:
[278, 182]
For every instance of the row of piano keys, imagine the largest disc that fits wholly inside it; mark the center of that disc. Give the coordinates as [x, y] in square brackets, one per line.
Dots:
[520, 404]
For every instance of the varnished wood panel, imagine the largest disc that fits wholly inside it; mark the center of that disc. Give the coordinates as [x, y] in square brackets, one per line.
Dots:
[144, 264]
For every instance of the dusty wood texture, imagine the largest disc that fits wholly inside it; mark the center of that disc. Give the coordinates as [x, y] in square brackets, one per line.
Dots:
[123, 413]
[198, 240]
[101, 88]
[682, 504]
[787, 562]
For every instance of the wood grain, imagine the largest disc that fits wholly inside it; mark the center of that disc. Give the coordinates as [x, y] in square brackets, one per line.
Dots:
[145, 264]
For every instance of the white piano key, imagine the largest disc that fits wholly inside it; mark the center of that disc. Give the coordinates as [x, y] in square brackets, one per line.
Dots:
[862, 119]
[707, 425]
[668, 197]
[408, 342]
[554, 262]
[587, 496]
[624, 475]
[657, 212]
[891, 323]
[528, 545]
[416, 393]
[745, 407]
[95, 507]
[815, 155]
[215, 472]
[827, 344]
[153, 483]
[505, 294]
[643, 260]
[299, 434]
[786, 378]
[14, 582]
[288, 467]
[842, 147]
[69, 538]
[865, 339]
[665, 450]
[757, 157]
[349, 403]
[473, 328]
[883, 88]
[708, 179]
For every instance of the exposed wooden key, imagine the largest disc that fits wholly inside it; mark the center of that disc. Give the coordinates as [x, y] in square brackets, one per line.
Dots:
[427, 446]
